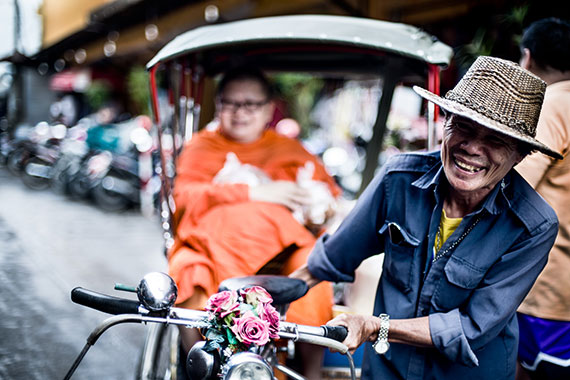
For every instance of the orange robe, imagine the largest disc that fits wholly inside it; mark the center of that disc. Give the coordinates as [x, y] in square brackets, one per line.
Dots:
[222, 234]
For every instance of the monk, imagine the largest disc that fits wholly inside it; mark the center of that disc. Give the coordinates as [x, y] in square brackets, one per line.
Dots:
[233, 226]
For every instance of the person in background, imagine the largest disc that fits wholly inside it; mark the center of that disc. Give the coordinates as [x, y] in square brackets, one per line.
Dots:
[240, 205]
[464, 237]
[544, 316]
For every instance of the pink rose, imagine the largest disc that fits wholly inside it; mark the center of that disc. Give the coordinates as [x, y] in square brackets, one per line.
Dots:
[250, 329]
[223, 303]
[269, 314]
[256, 294]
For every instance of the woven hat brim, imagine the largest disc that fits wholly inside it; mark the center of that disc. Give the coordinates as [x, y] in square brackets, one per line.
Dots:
[459, 109]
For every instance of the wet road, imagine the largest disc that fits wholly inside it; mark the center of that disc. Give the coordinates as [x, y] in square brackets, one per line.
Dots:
[49, 245]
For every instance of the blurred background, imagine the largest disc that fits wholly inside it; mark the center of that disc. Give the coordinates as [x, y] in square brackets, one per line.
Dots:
[74, 102]
[74, 72]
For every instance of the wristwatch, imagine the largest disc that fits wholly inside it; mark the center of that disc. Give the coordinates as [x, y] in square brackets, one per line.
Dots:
[381, 345]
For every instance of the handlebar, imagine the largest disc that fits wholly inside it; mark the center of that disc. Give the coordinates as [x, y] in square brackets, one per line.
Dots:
[104, 303]
[337, 333]
[115, 305]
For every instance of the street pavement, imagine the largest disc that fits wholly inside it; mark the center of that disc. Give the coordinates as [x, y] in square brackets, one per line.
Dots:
[49, 245]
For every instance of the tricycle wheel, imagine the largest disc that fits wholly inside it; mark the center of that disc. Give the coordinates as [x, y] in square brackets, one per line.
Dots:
[160, 354]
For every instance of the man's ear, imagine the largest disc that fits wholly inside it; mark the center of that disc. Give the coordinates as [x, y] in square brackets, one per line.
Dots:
[526, 60]
[520, 158]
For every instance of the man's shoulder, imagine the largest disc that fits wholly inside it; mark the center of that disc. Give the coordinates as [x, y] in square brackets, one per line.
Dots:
[412, 162]
[528, 205]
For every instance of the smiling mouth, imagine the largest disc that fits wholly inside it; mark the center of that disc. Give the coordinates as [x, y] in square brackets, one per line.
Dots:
[467, 167]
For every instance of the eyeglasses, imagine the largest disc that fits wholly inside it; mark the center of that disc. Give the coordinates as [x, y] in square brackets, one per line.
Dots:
[248, 106]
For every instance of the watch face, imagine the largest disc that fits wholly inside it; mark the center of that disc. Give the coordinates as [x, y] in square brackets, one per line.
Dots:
[381, 347]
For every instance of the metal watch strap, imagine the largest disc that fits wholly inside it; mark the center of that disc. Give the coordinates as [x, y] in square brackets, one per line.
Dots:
[381, 345]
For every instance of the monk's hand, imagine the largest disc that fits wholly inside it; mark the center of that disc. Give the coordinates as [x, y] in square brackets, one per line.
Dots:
[286, 193]
[361, 328]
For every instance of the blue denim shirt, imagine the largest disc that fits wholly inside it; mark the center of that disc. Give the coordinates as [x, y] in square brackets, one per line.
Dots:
[470, 294]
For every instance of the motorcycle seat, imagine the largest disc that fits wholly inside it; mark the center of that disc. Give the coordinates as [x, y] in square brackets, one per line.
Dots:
[282, 289]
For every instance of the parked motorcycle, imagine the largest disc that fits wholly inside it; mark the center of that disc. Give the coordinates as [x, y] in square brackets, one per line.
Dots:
[38, 167]
[73, 150]
[120, 185]
[209, 359]
[5, 147]
[110, 173]
[18, 150]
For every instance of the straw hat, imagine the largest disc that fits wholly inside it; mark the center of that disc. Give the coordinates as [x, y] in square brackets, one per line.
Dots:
[499, 95]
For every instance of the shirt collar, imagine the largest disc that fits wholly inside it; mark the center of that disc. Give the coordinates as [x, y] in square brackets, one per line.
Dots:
[495, 203]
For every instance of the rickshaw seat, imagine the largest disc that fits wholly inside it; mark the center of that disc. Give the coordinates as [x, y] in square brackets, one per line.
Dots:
[282, 289]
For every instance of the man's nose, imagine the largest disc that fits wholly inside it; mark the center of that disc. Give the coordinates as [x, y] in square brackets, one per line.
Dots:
[473, 144]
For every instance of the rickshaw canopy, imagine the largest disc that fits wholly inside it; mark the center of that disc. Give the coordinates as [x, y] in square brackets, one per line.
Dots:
[369, 34]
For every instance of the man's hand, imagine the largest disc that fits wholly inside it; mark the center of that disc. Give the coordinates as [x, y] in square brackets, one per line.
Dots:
[361, 328]
[285, 193]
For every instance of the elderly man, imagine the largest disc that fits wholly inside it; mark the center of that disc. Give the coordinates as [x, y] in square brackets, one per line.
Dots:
[464, 237]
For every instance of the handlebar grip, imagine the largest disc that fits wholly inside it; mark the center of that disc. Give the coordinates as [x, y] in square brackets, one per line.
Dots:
[103, 302]
[337, 333]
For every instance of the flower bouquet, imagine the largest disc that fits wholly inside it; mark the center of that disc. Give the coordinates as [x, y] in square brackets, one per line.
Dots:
[239, 320]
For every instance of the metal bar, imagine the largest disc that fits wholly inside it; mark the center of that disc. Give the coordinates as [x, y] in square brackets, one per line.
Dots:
[289, 372]
[150, 349]
[154, 94]
[391, 76]
[77, 361]
[175, 85]
[433, 109]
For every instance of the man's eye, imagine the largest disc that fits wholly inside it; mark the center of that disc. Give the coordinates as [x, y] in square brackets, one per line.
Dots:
[497, 141]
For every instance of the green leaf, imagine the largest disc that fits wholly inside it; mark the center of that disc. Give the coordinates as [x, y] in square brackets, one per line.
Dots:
[215, 336]
[229, 319]
[231, 337]
[211, 346]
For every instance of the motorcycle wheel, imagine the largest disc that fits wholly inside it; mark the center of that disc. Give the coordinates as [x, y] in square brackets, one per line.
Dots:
[78, 187]
[160, 355]
[60, 177]
[35, 182]
[15, 161]
[109, 200]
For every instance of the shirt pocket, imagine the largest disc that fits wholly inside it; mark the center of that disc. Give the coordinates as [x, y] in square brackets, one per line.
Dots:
[400, 246]
[456, 285]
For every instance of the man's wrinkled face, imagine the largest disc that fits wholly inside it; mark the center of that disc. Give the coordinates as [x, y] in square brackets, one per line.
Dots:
[475, 158]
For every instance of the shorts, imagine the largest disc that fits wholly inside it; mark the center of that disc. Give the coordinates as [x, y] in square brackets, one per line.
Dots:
[543, 342]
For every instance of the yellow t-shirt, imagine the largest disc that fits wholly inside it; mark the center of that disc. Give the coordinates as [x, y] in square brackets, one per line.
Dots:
[446, 227]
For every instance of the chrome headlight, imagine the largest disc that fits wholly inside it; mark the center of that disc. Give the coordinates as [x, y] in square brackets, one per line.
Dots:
[247, 366]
